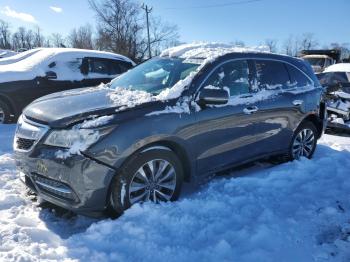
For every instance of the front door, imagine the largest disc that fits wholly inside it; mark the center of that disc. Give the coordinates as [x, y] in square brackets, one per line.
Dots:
[226, 134]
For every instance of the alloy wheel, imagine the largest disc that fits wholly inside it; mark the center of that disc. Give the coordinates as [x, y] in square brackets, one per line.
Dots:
[154, 181]
[303, 143]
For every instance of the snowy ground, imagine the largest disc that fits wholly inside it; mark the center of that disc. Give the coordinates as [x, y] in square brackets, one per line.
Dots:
[297, 211]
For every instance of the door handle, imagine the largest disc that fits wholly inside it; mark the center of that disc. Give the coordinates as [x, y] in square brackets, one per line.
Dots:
[298, 102]
[251, 109]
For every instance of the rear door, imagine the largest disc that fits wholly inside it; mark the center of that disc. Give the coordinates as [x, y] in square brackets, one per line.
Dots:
[226, 134]
[280, 110]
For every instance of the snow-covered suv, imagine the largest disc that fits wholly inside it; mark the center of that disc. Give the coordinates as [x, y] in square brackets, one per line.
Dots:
[193, 111]
[38, 72]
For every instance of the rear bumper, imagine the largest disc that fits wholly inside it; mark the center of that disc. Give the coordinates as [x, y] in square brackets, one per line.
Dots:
[77, 183]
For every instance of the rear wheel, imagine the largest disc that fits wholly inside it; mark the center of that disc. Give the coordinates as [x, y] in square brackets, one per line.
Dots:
[5, 113]
[155, 175]
[304, 141]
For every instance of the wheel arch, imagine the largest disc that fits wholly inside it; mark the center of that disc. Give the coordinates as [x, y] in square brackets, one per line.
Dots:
[173, 146]
[313, 118]
[9, 103]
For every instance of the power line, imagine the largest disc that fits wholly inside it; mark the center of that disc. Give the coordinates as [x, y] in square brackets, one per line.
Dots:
[215, 5]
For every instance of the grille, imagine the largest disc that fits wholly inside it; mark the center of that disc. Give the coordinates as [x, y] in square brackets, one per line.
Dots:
[54, 188]
[24, 143]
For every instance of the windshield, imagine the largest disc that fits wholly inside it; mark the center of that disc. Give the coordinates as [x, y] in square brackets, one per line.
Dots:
[156, 74]
[316, 61]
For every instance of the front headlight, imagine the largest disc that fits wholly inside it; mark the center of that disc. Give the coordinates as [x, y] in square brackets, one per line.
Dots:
[76, 138]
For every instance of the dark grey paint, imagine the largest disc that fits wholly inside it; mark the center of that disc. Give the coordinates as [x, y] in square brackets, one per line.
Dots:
[206, 141]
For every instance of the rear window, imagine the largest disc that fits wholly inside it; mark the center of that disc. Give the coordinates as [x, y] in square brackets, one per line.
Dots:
[271, 74]
[297, 78]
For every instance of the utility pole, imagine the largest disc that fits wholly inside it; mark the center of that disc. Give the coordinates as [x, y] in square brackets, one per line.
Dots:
[148, 10]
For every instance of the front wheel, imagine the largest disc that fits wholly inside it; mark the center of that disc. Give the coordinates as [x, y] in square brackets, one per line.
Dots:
[155, 175]
[304, 141]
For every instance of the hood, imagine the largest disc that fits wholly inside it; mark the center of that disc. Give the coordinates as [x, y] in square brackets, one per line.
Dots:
[65, 108]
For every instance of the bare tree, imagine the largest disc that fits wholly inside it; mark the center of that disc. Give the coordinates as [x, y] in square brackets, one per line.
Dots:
[39, 39]
[121, 28]
[58, 40]
[81, 37]
[5, 35]
[272, 45]
[308, 41]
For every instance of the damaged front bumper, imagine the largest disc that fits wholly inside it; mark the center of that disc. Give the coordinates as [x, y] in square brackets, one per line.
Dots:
[77, 183]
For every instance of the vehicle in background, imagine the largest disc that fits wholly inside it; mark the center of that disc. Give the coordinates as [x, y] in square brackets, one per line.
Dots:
[336, 80]
[38, 72]
[6, 53]
[18, 56]
[174, 118]
[320, 59]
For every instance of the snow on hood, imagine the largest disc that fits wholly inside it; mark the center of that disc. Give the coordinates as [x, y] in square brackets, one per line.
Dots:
[34, 63]
[341, 67]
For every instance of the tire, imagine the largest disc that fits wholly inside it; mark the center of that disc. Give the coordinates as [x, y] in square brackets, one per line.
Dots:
[124, 192]
[304, 141]
[5, 113]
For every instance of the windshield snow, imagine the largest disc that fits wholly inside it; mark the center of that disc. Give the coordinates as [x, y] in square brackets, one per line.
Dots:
[156, 75]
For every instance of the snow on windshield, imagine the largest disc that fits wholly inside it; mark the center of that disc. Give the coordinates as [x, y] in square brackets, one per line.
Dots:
[202, 53]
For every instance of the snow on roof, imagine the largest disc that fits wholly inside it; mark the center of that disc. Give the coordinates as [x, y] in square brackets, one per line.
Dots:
[341, 67]
[208, 50]
[35, 63]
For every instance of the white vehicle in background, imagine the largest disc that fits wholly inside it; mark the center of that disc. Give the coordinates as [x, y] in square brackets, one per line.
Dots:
[39, 72]
[18, 56]
[336, 80]
[321, 59]
[6, 53]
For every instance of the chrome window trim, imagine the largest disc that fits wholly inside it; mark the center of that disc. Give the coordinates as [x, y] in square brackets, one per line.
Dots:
[248, 58]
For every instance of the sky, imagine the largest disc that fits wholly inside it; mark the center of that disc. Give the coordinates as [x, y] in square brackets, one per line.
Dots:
[202, 20]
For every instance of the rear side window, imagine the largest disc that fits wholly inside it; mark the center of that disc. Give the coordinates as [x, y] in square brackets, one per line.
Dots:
[108, 67]
[99, 66]
[271, 74]
[297, 78]
[232, 75]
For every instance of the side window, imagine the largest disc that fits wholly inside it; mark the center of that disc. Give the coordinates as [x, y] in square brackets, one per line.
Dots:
[271, 74]
[98, 66]
[118, 67]
[298, 79]
[232, 75]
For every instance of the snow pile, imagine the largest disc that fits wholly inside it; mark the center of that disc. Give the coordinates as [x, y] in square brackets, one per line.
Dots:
[341, 67]
[65, 62]
[297, 211]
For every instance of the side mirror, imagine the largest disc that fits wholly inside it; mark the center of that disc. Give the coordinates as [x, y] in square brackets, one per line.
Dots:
[50, 75]
[213, 97]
